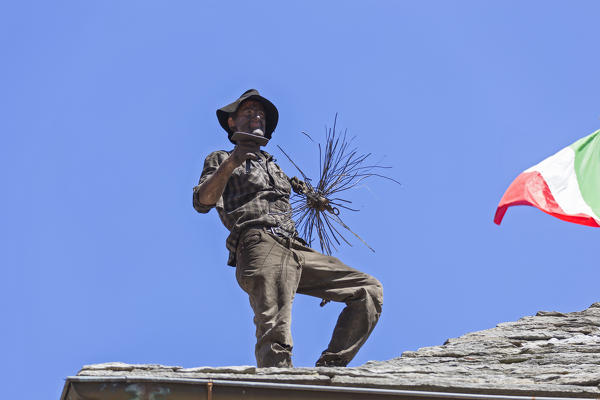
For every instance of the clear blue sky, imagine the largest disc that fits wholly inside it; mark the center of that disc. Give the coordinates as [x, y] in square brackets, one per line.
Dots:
[108, 110]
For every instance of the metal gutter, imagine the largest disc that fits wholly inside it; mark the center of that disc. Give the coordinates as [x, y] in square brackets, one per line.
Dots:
[144, 387]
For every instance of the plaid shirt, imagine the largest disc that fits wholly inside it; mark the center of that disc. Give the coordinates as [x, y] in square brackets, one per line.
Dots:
[260, 199]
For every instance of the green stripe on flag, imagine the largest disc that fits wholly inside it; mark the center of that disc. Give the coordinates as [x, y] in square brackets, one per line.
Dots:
[587, 169]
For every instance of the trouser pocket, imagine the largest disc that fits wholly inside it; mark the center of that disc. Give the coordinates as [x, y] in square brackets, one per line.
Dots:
[254, 248]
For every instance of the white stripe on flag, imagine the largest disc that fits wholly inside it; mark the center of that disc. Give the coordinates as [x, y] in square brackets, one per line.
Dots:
[559, 173]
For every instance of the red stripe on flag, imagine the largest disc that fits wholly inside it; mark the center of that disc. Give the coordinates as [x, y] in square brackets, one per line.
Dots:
[531, 189]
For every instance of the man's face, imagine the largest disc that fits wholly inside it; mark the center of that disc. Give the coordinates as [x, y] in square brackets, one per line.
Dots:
[249, 117]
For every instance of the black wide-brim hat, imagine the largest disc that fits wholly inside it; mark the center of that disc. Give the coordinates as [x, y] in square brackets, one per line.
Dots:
[271, 113]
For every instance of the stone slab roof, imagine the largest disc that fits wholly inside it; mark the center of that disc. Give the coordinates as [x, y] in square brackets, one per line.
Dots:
[550, 354]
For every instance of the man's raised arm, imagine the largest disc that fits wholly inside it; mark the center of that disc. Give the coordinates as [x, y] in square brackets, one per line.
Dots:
[210, 191]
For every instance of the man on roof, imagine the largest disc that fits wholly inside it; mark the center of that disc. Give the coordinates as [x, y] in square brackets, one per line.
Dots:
[251, 194]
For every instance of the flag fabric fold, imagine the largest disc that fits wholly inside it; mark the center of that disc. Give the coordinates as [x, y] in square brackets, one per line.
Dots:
[565, 185]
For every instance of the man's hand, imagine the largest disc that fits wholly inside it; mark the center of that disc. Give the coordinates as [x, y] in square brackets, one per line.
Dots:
[299, 186]
[243, 151]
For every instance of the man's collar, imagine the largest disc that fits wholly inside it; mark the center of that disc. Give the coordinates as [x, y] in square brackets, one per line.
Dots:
[267, 155]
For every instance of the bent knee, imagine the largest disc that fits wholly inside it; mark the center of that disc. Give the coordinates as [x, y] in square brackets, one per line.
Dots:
[375, 291]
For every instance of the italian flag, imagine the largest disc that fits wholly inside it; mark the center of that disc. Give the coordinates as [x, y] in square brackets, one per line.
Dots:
[565, 185]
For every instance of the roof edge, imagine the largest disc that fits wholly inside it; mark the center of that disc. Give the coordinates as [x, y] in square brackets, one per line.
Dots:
[302, 390]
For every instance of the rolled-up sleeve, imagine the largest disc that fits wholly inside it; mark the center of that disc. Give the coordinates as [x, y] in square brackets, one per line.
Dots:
[211, 164]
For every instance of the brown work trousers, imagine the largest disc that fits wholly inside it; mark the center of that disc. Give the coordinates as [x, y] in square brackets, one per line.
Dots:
[272, 269]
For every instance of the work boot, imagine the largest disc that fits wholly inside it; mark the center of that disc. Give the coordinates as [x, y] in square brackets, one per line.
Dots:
[330, 360]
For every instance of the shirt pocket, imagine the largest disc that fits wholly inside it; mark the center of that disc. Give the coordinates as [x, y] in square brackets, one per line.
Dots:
[242, 187]
[281, 181]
